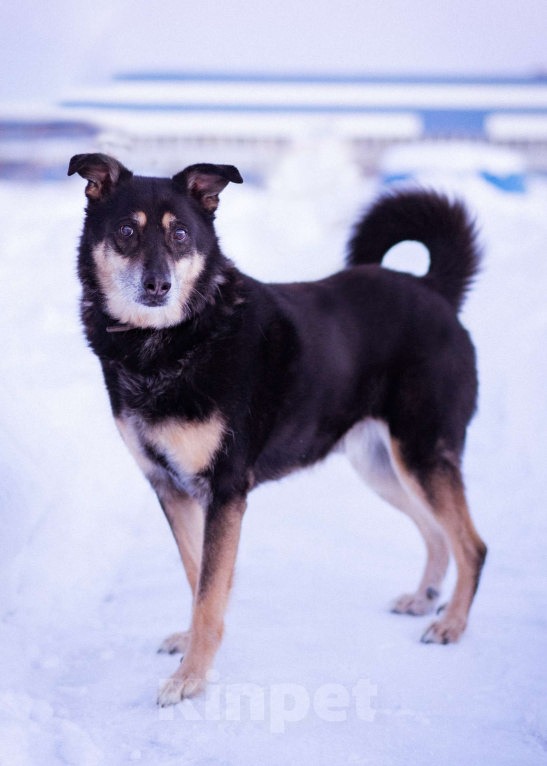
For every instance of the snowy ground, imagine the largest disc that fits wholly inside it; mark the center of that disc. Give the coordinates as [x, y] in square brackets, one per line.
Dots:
[91, 580]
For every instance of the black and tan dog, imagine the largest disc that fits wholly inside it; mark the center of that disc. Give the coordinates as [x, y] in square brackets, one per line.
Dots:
[218, 382]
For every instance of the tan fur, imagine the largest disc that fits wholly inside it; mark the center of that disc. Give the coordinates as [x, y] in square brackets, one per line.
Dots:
[208, 615]
[191, 446]
[186, 520]
[167, 220]
[110, 267]
[361, 444]
[131, 438]
[92, 190]
[119, 279]
[175, 643]
[449, 505]
[467, 546]
[187, 272]
[140, 218]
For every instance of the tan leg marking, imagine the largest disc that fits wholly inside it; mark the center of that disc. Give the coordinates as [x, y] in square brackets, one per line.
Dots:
[426, 597]
[424, 600]
[221, 540]
[185, 517]
[361, 447]
[192, 445]
[447, 501]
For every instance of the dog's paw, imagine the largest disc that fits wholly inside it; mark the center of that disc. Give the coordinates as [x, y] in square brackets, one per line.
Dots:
[416, 603]
[179, 686]
[176, 643]
[445, 631]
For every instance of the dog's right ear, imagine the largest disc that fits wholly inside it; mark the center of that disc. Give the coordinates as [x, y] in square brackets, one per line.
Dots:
[101, 172]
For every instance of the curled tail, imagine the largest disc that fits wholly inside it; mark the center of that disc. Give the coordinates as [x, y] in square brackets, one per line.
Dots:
[444, 227]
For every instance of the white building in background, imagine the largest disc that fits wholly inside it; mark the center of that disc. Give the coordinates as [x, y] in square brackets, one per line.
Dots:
[35, 141]
[157, 121]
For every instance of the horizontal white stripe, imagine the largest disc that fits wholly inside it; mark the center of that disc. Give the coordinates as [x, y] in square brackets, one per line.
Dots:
[326, 95]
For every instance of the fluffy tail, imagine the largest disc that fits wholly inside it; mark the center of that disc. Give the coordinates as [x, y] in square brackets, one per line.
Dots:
[444, 227]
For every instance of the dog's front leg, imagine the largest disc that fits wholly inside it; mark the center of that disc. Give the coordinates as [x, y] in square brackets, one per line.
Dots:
[221, 539]
[185, 517]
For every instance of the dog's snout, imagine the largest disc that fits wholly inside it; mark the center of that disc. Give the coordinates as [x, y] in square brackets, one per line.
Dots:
[156, 284]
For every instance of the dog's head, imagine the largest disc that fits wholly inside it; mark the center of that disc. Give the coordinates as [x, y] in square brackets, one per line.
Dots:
[149, 243]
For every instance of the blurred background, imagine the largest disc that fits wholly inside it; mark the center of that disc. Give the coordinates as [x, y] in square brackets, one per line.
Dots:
[322, 106]
[176, 81]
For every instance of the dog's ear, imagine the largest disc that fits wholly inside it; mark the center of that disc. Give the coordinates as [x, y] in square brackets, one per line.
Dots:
[204, 182]
[101, 171]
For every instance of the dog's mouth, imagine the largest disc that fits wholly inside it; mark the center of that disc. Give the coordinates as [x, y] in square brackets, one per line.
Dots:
[152, 301]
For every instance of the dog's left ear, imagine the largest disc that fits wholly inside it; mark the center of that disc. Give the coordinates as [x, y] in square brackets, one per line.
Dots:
[101, 172]
[204, 182]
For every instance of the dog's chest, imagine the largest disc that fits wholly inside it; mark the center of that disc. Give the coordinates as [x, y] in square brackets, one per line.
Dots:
[183, 448]
[149, 394]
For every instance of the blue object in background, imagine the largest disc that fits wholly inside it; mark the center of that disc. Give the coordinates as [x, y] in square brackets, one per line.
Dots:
[514, 182]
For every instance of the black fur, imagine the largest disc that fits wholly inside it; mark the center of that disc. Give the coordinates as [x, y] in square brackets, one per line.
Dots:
[443, 227]
[292, 367]
[281, 371]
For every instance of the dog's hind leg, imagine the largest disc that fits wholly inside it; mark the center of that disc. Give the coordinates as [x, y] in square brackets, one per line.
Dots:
[185, 517]
[441, 489]
[367, 446]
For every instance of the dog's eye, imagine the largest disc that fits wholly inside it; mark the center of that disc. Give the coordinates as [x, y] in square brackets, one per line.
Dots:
[180, 234]
[126, 231]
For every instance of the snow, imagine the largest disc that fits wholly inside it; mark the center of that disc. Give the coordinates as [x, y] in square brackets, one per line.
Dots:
[91, 577]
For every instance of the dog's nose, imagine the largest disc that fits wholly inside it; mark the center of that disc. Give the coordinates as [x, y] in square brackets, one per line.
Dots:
[156, 285]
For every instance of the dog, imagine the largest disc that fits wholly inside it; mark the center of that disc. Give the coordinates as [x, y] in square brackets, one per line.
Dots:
[218, 382]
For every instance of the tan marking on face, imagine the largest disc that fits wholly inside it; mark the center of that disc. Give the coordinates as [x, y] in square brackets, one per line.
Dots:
[110, 270]
[167, 220]
[133, 444]
[119, 279]
[187, 272]
[191, 446]
[140, 218]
